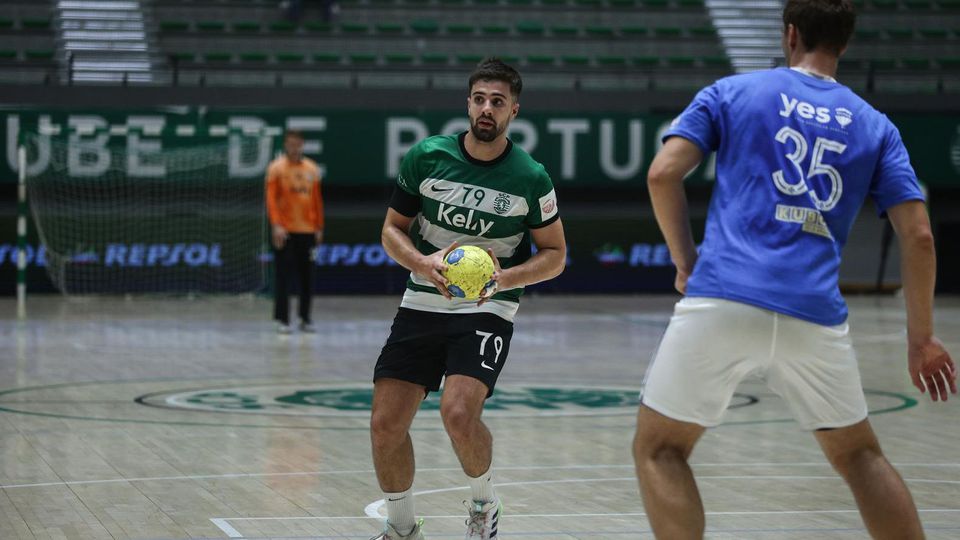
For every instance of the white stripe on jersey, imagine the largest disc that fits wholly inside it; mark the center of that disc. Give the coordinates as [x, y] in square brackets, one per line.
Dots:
[436, 303]
[484, 199]
[440, 238]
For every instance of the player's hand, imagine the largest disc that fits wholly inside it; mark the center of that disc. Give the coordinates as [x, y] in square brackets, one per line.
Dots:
[432, 268]
[680, 283]
[931, 368]
[494, 285]
[279, 236]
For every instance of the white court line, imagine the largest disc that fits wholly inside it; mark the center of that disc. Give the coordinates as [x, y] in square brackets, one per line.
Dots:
[231, 532]
[226, 528]
[373, 509]
[435, 469]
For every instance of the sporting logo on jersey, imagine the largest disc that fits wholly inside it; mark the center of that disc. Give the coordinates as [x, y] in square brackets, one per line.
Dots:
[501, 204]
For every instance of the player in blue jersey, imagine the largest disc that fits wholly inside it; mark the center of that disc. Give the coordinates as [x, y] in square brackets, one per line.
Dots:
[797, 154]
[474, 188]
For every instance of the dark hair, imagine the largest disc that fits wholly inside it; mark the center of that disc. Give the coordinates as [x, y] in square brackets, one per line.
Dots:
[493, 69]
[293, 133]
[822, 24]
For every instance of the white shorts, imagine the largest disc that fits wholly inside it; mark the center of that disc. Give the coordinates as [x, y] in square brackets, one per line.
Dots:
[711, 344]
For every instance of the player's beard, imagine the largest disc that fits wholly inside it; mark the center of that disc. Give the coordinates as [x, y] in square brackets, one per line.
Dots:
[485, 134]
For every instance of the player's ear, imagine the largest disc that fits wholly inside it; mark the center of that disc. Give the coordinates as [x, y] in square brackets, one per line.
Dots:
[516, 109]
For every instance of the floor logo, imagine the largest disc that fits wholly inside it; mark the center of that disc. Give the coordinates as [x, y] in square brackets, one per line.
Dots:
[350, 400]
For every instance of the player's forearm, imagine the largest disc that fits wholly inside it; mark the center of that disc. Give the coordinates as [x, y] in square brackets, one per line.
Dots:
[670, 208]
[918, 265]
[546, 263]
[399, 247]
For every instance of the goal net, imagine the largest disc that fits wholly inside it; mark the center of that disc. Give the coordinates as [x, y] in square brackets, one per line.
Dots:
[114, 221]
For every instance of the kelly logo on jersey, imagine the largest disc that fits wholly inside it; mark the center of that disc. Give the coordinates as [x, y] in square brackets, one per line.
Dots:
[454, 216]
[808, 111]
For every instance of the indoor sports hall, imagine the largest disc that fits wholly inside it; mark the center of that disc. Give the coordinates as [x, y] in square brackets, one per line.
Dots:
[149, 391]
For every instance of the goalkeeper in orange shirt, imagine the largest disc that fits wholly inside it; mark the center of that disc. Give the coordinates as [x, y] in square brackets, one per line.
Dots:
[295, 211]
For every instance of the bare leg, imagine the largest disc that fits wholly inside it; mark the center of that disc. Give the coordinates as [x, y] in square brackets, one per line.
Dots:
[395, 403]
[884, 501]
[661, 448]
[460, 408]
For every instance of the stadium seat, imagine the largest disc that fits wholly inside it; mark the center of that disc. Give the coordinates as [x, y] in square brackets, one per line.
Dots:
[35, 24]
[183, 56]
[424, 26]
[633, 31]
[282, 27]
[949, 4]
[540, 60]
[398, 58]
[588, 3]
[551, 2]
[612, 61]
[217, 57]
[934, 34]
[918, 4]
[667, 32]
[174, 26]
[951, 63]
[622, 3]
[290, 58]
[916, 63]
[246, 26]
[434, 58]
[654, 3]
[519, 2]
[211, 26]
[900, 34]
[354, 28]
[39, 55]
[253, 57]
[883, 63]
[646, 61]
[318, 26]
[469, 58]
[564, 30]
[8, 54]
[326, 58]
[533, 28]
[363, 58]
[884, 4]
[494, 29]
[703, 32]
[389, 28]
[459, 29]
[6, 24]
[696, 4]
[681, 62]
[866, 35]
[716, 61]
[599, 31]
[576, 60]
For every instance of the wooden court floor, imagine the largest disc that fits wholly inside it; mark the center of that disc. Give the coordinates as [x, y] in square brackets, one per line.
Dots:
[177, 418]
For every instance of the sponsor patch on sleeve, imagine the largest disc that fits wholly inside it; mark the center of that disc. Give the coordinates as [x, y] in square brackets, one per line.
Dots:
[548, 205]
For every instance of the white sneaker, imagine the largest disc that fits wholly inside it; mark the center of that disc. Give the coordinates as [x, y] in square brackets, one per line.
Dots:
[308, 328]
[483, 520]
[389, 533]
[283, 328]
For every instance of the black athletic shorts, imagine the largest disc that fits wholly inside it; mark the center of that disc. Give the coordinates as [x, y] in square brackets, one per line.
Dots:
[424, 346]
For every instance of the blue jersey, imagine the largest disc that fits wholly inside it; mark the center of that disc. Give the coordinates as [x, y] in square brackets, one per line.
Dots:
[796, 157]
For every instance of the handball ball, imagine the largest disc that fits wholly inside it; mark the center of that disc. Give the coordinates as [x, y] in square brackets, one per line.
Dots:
[469, 270]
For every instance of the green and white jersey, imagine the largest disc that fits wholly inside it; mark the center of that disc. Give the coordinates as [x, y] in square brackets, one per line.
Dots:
[489, 204]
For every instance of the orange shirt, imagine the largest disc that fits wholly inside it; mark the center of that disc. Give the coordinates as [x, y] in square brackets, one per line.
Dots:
[293, 195]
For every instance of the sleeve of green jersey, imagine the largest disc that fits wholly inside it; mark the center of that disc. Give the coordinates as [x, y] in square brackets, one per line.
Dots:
[409, 178]
[543, 202]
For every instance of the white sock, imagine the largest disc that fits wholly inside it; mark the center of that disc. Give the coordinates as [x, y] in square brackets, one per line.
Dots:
[481, 487]
[400, 511]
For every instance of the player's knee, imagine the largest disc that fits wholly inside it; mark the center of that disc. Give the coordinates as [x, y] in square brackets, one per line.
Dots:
[458, 418]
[850, 460]
[386, 429]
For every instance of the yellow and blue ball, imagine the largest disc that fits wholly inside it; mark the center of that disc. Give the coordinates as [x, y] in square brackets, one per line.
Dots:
[469, 270]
